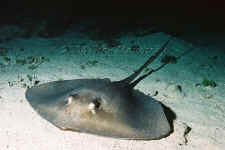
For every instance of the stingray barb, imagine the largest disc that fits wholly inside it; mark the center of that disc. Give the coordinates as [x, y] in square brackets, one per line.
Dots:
[102, 107]
[128, 81]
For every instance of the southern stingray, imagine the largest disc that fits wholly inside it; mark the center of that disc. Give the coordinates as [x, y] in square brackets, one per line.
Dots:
[102, 107]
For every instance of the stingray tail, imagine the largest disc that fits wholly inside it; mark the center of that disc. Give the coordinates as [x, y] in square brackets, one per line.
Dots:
[128, 80]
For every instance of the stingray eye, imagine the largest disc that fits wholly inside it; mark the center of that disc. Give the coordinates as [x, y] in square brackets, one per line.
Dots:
[97, 103]
[94, 105]
[70, 98]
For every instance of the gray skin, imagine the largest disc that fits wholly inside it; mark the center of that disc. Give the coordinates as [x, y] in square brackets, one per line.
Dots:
[102, 107]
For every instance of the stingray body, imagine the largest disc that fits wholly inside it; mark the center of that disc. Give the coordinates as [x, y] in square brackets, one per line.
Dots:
[102, 107]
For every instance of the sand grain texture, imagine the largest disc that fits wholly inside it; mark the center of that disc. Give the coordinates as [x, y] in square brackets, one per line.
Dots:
[21, 128]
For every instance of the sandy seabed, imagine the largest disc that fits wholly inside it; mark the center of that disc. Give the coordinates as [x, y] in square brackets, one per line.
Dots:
[197, 107]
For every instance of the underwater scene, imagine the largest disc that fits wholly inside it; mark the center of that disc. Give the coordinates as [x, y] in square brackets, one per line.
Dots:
[119, 85]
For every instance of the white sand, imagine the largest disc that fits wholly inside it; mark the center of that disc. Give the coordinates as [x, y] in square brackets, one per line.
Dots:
[201, 108]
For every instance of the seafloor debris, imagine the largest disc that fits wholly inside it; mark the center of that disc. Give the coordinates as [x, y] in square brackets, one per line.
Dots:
[174, 91]
[3, 51]
[208, 83]
[33, 61]
[89, 63]
[169, 59]
[181, 132]
[25, 82]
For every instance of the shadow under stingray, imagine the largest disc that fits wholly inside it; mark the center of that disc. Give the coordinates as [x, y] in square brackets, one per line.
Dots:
[170, 115]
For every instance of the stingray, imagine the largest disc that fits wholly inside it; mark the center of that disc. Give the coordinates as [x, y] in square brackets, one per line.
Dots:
[102, 107]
